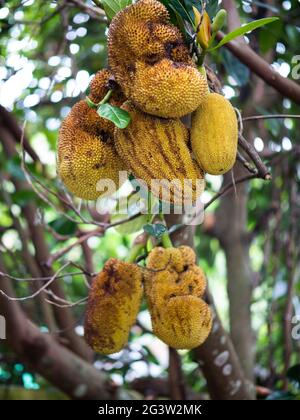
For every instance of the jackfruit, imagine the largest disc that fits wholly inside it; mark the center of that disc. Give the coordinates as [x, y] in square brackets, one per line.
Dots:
[151, 62]
[214, 134]
[168, 89]
[113, 305]
[174, 285]
[151, 10]
[156, 151]
[99, 86]
[86, 152]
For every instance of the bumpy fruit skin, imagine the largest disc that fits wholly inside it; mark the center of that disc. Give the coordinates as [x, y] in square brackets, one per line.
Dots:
[167, 88]
[214, 135]
[113, 305]
[151, 62]
[86, 152]
[174, 285]
[156, 148]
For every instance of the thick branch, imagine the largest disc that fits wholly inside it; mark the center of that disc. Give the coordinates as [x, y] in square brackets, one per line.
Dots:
[263, 171]
[288, 88]
[176, 381]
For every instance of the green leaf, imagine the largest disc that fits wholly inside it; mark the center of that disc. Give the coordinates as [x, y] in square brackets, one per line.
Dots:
[132, 226]
[179, 21]
[212, 8]
[112, 7]
[63, 226]
[23, 197]
[118, 116]
[243, 30]
[270, 35]
[235, 68]
[155, 229]
[13, 167]
[180, 8]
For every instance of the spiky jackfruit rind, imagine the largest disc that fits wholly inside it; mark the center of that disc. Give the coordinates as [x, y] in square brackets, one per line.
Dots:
[100, 84]
[168, 89]
[174, 285]
[148, 10]
[175, 274]
[86, 153]
[113, 305]
[151, 62]
[184, 323]
[156, 148]
[214, 134]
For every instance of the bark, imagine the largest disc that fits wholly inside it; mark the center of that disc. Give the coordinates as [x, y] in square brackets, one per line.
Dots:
[176, 380]
[231, 222]
[217, 357]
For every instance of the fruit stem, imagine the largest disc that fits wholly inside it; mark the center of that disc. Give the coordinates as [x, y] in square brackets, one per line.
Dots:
[90, 103]
[202, 70]
[149, 245]
[166, 240]
[106, 97]
[134, 253]
[165, 237]
[201, 58]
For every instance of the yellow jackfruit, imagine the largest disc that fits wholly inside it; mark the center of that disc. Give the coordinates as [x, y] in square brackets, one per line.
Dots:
[99, 86]
[151, 62]
[151, 10]
[113, 305]
[156, 151]
[214, 134]
[168, 89]
[174, 285]
[86, 152]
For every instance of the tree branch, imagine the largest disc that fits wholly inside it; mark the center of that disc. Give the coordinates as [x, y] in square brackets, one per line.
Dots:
[262, 170]
[254, 62]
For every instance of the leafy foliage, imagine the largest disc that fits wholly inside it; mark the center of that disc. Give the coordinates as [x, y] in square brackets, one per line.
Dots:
[118, 116]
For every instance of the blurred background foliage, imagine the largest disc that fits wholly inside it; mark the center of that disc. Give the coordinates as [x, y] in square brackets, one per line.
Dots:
[47, 59]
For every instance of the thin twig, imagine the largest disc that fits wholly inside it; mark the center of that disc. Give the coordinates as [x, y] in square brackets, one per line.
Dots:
[245, 163]
[228, 187]
[29, 176]
[34, 279]
[69, 304]
[93, 12]
[44, 287]
[63, 251]
[263, 171]
[267, 117]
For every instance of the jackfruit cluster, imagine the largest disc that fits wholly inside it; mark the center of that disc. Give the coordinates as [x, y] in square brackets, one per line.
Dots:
[174, 286]
[113, 305]
[86, 151]
[151, 62]
[156, 150]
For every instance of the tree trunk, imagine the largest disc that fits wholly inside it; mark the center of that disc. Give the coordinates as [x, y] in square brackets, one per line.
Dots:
[231, 222]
